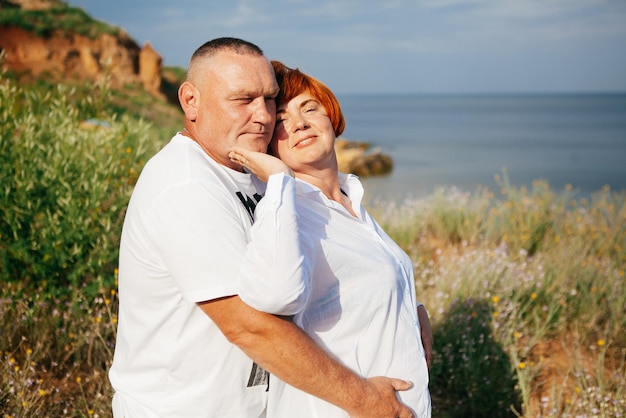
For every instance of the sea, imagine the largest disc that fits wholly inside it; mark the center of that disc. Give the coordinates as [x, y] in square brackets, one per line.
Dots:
[462, 142]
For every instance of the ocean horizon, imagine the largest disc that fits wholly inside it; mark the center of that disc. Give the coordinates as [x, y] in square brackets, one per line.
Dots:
[464, 141]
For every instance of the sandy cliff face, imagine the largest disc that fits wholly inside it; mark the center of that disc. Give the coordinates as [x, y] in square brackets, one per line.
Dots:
[67, 55]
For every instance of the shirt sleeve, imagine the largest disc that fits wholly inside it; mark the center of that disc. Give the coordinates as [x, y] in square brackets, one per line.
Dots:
[274, 277]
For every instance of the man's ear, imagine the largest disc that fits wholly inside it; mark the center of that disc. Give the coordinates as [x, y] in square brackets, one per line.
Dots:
[188, 96]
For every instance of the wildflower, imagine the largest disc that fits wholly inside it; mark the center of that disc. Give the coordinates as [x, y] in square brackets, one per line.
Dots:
[78, 379]
[474, 314]
[516, 334]
[495, 299]
[129, 150]
[533, 295]
[42, 392]
[522, 365]
[496, 314]
[29, 351]
[577, 390]
[600, 343]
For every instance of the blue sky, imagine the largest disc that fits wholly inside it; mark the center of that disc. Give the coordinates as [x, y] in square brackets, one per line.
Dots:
[401, 46]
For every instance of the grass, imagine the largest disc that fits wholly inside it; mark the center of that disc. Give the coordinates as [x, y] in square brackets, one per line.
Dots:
[526, 292]
[525, 287]
[59, 18]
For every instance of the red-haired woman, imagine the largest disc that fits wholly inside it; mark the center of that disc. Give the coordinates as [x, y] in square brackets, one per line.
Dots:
[362, 305]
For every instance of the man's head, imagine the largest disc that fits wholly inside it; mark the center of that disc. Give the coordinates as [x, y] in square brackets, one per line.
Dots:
[228, 98]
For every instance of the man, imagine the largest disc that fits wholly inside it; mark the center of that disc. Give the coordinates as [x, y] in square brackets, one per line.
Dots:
[185, 339]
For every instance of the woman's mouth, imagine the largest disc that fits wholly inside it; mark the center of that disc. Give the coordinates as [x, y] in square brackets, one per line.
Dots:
[304, 141]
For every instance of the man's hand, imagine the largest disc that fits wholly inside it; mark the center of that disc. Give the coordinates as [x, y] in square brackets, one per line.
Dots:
[384, 389]
[261, 164]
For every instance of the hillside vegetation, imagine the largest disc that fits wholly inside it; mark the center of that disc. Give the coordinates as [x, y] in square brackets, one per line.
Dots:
[58, 17]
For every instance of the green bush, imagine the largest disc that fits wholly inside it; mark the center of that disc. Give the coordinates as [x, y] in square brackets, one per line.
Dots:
[65, 185]
[471, 369]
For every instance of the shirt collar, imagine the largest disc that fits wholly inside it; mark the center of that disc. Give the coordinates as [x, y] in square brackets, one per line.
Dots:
[349, 184]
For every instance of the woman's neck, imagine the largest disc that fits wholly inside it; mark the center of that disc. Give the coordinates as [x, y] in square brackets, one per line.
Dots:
[327, 181]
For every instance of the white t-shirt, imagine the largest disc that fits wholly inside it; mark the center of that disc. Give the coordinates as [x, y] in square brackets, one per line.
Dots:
[184, 239]
[361, 306]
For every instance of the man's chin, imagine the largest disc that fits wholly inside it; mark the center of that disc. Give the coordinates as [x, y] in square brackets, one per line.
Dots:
[255, 142]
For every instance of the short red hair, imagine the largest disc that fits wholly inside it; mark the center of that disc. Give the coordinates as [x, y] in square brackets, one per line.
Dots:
[293, 82]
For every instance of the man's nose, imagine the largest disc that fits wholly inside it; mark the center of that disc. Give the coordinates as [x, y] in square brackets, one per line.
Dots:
[263, 112]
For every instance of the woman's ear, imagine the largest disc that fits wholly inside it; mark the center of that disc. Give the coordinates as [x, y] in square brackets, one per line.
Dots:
[188, 96]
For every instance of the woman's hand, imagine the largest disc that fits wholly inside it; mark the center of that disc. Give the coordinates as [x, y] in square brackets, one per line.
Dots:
[427, 334]
[261, 164]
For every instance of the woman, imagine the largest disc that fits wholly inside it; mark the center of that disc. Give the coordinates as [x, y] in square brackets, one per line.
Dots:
[361, 304]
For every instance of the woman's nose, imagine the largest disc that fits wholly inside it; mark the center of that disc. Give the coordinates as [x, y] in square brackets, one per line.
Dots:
[299, 123]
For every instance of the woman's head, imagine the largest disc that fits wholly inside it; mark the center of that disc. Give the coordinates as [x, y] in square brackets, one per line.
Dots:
[292, 82]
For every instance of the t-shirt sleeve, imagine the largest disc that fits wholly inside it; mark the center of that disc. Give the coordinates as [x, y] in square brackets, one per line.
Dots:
[198, 231]
[274, 275]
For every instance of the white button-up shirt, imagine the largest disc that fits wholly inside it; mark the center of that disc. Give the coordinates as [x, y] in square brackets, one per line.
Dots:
[360, 303]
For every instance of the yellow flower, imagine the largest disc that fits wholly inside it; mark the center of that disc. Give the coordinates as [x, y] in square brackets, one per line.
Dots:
[78, 379]
[495, 299]
[129, 150]
[577, 390]
[42, 392]
[29, 351]
[533, 295]
[517, 334]
[474, 314]
[496, 314]
[522, 365]
[600, 343]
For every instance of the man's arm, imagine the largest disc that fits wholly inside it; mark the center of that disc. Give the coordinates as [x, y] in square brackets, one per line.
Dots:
[286, 351]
